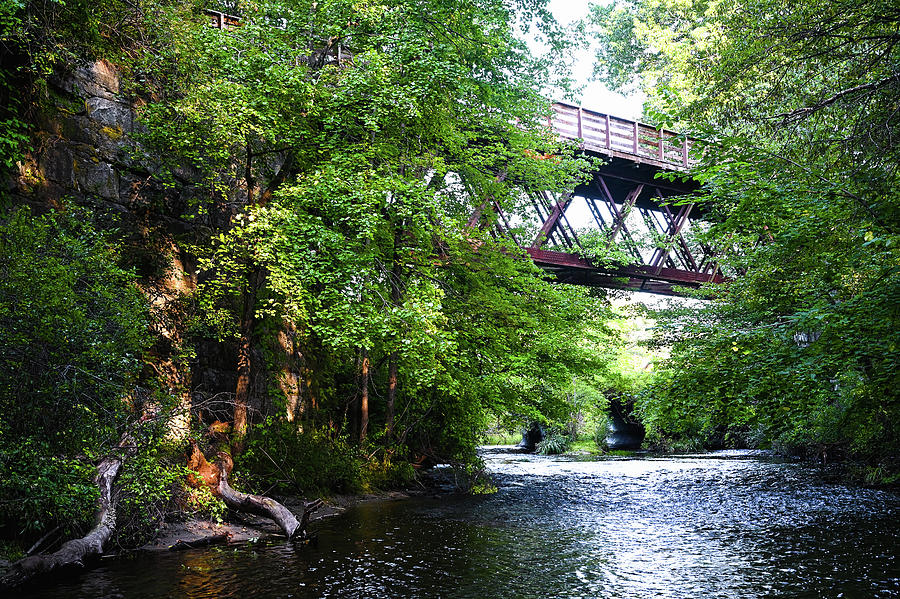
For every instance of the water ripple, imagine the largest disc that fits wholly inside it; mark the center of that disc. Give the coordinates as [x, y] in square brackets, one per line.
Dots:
[724, 526]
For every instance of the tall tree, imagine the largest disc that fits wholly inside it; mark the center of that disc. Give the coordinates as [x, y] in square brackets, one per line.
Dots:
[347, 144]
[797, 106]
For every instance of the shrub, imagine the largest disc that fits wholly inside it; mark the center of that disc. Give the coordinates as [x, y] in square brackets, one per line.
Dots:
[388, 473]
[41, 490]
[601, 432]
[73, 327]
[148, 485]
[554, 442]
[296, 461]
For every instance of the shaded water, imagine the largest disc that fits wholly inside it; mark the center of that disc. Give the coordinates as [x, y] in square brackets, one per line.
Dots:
[721, 525]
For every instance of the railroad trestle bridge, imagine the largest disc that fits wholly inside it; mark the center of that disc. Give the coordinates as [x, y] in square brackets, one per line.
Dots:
[625, 210]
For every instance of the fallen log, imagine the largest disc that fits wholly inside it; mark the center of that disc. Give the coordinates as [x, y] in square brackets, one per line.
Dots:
[76, 552]
[215, 477]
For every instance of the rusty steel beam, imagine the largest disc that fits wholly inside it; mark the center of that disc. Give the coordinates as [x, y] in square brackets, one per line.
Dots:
[502, 215]
[618, 217]
[674, 225]
[627, 205]
[551, 259]
[661, 184]
[635, 153]
[552, 220]
[566, 223]
[554, 215]
[475, 217]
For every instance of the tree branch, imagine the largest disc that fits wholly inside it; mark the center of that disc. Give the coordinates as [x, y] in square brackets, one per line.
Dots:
[800, 113]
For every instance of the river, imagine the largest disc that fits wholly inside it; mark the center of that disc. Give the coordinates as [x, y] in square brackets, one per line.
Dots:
[727, 524]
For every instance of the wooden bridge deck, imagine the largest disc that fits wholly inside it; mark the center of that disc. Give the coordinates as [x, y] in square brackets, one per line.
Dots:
[609, 135]
[626, 184]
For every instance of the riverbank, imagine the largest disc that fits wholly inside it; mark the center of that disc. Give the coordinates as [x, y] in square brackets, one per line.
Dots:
[733, 523]
[242, 528]
[180, 531]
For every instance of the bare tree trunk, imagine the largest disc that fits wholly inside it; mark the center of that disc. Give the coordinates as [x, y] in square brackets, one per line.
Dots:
[391, 395]
[77, 551]
[255, 280]
[245, 351]
[364, 398]
[215, 476]
[396, 297]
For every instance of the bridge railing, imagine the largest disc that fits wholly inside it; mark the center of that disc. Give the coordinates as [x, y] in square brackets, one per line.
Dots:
[221, 20]
[607, 134]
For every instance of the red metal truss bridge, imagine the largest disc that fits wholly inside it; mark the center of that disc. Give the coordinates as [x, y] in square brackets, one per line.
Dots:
[645, 243]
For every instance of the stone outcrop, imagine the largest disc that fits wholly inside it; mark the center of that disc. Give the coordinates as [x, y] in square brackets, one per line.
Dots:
[84, 147]
[87, 150]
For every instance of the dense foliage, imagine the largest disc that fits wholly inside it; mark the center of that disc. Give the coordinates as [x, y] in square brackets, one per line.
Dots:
[336, 152]
[347, 149]
[73, 328]
[797, 103]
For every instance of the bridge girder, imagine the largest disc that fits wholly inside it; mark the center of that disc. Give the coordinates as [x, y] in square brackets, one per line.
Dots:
[626, 200]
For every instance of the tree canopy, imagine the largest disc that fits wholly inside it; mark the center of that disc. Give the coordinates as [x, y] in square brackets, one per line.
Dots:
[322, 161]
[796, 107]
[347, 146]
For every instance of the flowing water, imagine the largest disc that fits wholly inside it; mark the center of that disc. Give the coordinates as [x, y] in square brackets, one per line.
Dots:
[729, 524]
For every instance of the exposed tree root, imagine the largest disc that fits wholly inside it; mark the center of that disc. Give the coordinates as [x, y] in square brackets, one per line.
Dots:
[76, 552]
[215, 477]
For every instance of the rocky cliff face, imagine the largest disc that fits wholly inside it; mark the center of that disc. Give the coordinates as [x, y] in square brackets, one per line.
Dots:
[84, 148]
[87, 150]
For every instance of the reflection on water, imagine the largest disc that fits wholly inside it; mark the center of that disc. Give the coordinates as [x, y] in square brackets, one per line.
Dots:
[720, 525]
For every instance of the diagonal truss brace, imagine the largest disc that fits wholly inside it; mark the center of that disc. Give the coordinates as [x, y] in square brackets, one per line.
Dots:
[552, 220]
[674, 261]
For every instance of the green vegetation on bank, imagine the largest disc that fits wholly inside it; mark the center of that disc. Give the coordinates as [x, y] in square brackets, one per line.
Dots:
[794, 106]
[310, 178]
[73, 328]
[320, 163]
